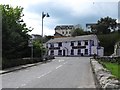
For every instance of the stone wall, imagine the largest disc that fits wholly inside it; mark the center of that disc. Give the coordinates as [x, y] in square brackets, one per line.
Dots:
[103, 77]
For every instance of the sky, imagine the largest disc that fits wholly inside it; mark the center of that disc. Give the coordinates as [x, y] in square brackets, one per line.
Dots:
[63, 12]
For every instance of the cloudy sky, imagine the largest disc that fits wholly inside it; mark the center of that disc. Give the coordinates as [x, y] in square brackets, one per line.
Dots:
[63, 12]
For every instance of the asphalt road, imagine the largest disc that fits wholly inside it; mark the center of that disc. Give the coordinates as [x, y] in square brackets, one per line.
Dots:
[62, 72]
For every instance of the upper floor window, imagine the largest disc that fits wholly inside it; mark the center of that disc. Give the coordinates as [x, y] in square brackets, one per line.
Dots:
[62, 32]
[92, 43]
[52, 52]
[79, 43]
[51, 45]
[59, 44]
[69, 32]
[66, 32]
[72, 43]
[86, 42]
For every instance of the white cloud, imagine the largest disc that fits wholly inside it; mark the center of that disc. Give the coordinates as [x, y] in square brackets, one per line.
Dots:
[78, 8]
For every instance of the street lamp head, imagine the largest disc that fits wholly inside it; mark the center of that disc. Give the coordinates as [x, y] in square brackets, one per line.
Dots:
[47, 15]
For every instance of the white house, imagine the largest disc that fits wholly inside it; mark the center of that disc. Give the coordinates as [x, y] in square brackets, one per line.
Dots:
[65, 30]
[86, 45]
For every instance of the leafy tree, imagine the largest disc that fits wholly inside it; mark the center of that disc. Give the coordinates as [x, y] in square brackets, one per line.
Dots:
[108, 41]
[14, 33]
[104, 25]
[77, 32]
[38, 48]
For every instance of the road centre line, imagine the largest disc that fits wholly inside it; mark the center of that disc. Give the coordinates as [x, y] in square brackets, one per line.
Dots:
[44, 74]
[59, 66]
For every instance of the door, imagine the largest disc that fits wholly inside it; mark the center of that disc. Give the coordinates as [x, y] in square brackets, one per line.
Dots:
[63, 52]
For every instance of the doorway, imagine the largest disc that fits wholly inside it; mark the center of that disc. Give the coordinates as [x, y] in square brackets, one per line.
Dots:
[63, 52]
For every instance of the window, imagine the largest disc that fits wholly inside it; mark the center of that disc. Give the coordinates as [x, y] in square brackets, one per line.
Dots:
[59, 52]
[66, 32]
[72, 52]
[79, 51]
[69, 32]
[92, 43]
[72, 43]
[62, 32]
[51, 45]
[86, 42]
[79, 43]
[52, 52]
[86, 51]
[59, 44]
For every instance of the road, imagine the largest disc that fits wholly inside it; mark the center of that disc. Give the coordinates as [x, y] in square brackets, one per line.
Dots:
[62, 72]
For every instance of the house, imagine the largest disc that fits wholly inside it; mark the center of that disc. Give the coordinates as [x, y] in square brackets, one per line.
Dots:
[86, 45]
[88, 26]
[64, 30]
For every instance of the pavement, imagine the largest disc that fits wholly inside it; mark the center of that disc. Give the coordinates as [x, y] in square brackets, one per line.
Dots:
[8, 70]
[62, 72]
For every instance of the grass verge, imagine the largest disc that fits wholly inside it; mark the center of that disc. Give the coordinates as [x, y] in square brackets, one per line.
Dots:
[113, 67]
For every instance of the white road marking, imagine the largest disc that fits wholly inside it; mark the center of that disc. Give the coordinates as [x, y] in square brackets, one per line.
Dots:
[23, 85]
[65, 63]
[44, 74]
[59, 66]
[61, 60]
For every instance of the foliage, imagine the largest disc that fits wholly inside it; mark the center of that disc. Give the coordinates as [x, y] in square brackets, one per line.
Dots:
[103, 26]
[14, 33]
[108, 41]
[38, 48]
[77, 32]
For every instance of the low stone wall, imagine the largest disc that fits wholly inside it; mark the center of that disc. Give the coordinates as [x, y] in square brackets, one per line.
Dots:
[103, 78]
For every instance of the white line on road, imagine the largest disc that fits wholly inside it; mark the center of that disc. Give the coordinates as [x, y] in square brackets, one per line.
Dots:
[59, 66]
[23, 85]
[61, 60]
[65, 63]
[44, 74]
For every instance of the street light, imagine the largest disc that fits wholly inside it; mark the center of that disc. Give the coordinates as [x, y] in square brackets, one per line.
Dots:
[43, 15]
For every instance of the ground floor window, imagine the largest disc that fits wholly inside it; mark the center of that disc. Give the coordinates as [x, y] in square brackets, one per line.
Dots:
[86, 51]
[52, 52]
[59, 52]
[79, 51]
[72, 52]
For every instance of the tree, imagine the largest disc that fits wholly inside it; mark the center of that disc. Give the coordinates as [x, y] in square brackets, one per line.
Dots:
[77, 32]
[104, 26]
[14, 33]
[38, 48]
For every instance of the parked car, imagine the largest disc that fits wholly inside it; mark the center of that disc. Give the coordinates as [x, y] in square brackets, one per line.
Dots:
[48, 57]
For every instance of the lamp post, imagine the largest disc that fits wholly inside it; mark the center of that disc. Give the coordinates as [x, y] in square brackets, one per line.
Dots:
[43, 15]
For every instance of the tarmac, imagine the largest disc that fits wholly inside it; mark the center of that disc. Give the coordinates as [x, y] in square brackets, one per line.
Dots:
[19, 67]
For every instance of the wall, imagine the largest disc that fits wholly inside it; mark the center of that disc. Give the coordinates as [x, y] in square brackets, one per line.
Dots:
[103, 77]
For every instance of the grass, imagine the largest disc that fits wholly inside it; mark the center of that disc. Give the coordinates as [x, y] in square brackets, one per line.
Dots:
[113, 67]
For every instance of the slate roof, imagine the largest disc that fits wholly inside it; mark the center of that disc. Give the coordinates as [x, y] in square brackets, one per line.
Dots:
[77, 38]
[64, 27]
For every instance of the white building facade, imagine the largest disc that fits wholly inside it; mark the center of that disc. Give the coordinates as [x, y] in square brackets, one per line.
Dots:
[65, 30]
[75, 46]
